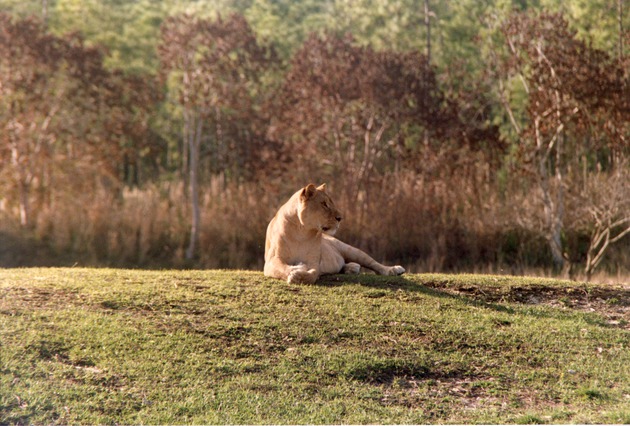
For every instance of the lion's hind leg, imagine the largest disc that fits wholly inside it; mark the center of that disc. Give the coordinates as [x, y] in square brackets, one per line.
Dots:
[353, 255]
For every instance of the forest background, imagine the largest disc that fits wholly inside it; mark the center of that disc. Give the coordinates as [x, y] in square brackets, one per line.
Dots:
[454, 135]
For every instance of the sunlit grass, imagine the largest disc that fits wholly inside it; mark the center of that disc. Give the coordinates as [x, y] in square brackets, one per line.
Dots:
[118, 346]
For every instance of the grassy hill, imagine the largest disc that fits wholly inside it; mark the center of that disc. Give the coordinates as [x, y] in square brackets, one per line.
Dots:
[122, 346]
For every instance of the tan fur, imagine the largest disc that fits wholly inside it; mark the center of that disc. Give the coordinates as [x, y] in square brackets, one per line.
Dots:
[300, 246]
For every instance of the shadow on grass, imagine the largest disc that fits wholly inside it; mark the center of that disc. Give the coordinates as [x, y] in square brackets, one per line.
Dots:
[400, 283]
[554, 300]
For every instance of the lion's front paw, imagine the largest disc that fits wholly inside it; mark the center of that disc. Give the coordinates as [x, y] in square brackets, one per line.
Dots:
[351, 268]
[396, 270]
[300, 275]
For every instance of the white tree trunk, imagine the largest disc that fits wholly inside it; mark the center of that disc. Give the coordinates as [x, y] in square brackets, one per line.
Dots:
[194, 141]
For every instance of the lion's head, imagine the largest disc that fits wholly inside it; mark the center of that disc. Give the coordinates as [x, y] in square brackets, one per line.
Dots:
[317, 210]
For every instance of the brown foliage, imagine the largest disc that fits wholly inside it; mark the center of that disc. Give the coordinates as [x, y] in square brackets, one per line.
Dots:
[65, 124]
[217, 67]
[569, 82]
[355, 115]
[413, 156]
[578, 107]
[219, 64]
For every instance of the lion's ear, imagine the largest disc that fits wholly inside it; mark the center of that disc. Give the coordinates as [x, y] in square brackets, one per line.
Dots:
[322, 187]
[308, 192]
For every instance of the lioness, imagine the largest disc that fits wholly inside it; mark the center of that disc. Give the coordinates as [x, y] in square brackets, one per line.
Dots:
[300, 246]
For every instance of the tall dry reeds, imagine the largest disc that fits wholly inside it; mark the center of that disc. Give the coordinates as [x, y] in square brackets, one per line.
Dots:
[454, 223]
[149, 227]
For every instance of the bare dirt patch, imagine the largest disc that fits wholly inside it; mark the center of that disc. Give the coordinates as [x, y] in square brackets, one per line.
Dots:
[612, 302]
[15, 299]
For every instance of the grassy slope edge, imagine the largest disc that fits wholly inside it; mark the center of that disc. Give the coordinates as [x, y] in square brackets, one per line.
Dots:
[122, 346]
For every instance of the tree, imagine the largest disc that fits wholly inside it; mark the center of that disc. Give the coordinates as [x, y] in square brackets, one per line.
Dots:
[64, 117]
[355, 114]
[336, 113]
[577, 106]
[601, 22]
[605, 212]
[287, 24]
[214, 66]
[128, 30]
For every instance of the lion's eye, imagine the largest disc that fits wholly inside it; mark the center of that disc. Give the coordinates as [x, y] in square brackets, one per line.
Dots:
[325, 204]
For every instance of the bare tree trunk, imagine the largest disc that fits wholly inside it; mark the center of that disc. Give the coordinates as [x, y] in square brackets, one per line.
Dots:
[185, 155]
[23, 184]
[610, 214]
[554, 209]
[601, 240]
[24, 205]
[427, 24]
[45, 12]
[195, 151]
[195, 127]
[187, 132]
[620, 21]
[553, 206]
[559, 257]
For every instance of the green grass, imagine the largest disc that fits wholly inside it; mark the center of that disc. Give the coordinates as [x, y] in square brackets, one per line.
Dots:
[88, 346]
